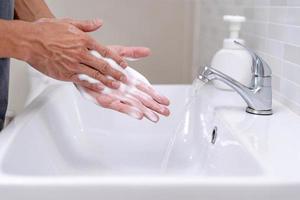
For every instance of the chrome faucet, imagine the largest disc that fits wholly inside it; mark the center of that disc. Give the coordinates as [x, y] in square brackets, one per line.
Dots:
[258, 95]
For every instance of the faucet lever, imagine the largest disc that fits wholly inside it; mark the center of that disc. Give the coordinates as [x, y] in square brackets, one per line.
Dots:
[258, 95]
[260, 68]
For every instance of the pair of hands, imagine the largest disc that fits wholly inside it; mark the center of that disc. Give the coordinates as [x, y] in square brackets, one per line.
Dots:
[61, 50]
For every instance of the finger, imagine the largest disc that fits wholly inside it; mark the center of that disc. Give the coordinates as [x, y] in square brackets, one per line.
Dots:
[97, 87]
[137, 98]
[153, 93]
[131, 52]
[85, 25]
[151, 104]
[104, 67]
[151, 116]
[131, 100]
[127, 109]
[113, 103]
[116, 100]
[106, 52]
[83, 69]
[126, 98]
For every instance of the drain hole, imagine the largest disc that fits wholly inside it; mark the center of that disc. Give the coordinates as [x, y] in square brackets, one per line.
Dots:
[214, 135]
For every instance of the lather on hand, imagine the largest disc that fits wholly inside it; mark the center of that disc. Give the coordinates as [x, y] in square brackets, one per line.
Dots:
[136, 98]
[59, 48]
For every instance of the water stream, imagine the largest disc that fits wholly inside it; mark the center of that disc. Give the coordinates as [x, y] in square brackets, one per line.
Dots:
[188, 146]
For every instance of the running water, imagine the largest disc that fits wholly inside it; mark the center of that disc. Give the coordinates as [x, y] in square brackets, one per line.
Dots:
[188, 147]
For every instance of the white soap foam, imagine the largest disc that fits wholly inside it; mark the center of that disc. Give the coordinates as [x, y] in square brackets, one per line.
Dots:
[131, 73]
[87, 78]
[135, 78]
[131, 59]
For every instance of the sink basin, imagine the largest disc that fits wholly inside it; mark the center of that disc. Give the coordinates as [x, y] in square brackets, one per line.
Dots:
[69, 135]
[75, 149]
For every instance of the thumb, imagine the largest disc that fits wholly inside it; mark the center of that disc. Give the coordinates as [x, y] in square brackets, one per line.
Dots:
[86, 25]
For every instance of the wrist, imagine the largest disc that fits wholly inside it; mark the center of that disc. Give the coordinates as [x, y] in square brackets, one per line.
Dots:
[15, 35]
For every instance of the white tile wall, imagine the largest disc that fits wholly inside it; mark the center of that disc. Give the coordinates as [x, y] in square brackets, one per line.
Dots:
[272, 29]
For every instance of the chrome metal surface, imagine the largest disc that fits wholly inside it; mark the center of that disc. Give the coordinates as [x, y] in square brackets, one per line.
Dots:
[258, 95]
[259, 112]
[259, 67]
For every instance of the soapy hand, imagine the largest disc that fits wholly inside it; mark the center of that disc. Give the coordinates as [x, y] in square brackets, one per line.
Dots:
[136, 98]
[60, 49]
[125, 102]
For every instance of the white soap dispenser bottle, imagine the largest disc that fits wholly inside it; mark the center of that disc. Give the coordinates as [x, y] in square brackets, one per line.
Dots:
[233, 59]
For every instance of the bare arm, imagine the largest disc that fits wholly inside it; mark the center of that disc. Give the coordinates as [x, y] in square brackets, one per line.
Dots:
[15, 43]
[32, 10]
[10, 41]
[60, 49]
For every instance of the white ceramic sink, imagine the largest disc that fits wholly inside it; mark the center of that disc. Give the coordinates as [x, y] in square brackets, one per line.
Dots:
[63, 147]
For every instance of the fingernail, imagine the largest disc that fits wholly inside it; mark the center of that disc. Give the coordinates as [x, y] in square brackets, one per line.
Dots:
[97, 21]
[123, 79]
[162, 110]
[100, 87]
[115, 84]
[154, 118]
[135, 115]
[123, 64]
[167, 112]
[163, 99]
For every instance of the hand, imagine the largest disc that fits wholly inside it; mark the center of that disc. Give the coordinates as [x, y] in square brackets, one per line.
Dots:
[60, 48]
[138, 100]
[122, 102]
[130, 52]
[130, 100]
[158, 102]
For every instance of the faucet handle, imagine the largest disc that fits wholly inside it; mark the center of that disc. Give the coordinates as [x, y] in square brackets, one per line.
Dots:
[260, 67]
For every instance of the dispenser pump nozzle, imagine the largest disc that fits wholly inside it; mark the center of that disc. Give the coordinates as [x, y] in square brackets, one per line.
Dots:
[235, 23]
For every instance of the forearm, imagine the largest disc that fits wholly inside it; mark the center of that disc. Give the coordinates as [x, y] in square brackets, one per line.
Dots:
[31, 10]
[14, 39]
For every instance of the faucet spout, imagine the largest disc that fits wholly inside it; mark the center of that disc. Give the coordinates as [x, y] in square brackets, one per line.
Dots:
[258, 96]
